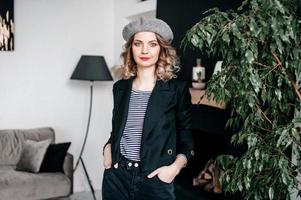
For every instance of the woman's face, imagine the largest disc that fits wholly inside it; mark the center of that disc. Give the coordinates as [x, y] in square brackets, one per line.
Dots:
[145, 49]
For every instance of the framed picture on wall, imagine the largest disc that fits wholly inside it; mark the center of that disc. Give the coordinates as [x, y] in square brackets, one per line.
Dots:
[7, 25]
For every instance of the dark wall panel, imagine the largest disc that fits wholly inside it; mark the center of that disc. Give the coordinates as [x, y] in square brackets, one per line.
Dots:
[210, 137]
[181, 16]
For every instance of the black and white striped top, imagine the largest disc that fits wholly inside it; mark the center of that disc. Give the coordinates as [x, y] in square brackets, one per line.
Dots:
[131, 138]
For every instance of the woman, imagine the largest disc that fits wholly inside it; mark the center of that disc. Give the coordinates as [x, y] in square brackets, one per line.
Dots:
[151, 139]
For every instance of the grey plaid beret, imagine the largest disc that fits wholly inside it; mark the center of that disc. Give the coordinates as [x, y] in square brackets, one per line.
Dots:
[148, 25]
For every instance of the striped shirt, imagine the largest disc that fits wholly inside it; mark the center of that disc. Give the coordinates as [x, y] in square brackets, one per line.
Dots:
[132, 133]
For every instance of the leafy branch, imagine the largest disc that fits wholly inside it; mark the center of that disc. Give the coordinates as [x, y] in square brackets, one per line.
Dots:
[260, 83]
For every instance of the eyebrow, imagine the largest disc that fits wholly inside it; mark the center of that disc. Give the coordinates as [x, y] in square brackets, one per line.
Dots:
[142, 41]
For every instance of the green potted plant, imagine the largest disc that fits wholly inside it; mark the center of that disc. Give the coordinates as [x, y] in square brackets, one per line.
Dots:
[260, 83]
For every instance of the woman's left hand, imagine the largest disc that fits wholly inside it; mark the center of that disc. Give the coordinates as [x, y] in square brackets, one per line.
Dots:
[166, 173]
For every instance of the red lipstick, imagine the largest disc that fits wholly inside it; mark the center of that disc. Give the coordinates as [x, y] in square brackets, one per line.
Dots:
[144, 58]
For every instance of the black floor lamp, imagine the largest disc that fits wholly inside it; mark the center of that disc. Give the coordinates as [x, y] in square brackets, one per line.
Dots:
[90, 68]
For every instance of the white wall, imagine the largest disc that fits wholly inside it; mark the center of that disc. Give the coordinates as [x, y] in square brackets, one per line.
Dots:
[35, 85]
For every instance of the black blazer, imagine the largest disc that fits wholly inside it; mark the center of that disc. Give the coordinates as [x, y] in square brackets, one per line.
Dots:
[167, 123]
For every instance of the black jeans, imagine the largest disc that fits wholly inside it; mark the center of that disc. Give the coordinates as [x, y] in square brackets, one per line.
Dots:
[127, 182]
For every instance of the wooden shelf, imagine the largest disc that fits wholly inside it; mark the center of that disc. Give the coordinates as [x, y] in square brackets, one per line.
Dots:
[196, 94]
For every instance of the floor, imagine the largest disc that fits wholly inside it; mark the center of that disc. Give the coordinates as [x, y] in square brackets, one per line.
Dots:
[82, 196]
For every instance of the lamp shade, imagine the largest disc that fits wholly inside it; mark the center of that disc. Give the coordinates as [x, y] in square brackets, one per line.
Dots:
[93, 68]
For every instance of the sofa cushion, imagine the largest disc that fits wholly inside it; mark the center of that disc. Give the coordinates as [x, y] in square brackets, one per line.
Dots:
[32, 155]
[54, 157]
[11, 142]
[19, 185]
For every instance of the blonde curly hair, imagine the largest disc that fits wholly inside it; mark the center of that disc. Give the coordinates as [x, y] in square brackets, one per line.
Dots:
[167, 64]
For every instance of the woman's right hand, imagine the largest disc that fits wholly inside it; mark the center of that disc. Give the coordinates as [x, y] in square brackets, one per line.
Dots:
[107, 156]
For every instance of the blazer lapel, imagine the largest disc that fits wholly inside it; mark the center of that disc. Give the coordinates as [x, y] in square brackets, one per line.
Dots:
[122, 100]
[157, 105]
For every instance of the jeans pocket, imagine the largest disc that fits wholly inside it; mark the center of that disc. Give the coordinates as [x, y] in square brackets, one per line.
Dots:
[160, 181]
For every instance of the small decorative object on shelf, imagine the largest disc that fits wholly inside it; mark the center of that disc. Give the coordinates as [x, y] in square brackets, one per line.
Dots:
[218, 67]
[198, 75]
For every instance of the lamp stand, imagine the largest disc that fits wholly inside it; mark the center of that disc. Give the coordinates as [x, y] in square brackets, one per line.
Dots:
[80, 159]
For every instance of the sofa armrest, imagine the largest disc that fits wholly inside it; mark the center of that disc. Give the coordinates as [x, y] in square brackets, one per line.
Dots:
[68, 169]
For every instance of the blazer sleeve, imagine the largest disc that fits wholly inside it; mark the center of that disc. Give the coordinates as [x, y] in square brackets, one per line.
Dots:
[183, 116]
[110, 138]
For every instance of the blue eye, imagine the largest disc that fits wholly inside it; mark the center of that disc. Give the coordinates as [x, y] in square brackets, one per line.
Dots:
[137, 44]
[153, 44]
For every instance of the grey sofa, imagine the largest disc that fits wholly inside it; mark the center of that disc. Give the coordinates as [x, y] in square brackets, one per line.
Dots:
[20, 185]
